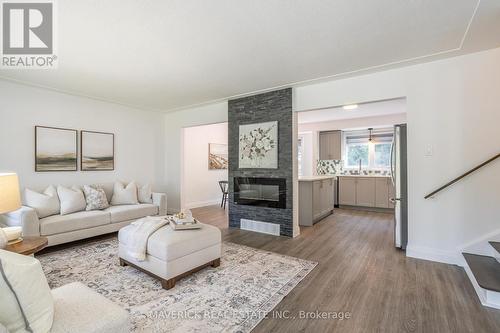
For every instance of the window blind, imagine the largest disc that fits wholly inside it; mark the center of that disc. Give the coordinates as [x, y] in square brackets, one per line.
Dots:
[353, 137]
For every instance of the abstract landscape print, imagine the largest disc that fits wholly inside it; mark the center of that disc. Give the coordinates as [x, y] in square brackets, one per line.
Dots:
[258, 145]
[217, 156]
[55, 149]
[97, 151]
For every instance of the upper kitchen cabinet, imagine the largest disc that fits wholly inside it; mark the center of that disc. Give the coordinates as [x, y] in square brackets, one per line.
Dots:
[330, 144]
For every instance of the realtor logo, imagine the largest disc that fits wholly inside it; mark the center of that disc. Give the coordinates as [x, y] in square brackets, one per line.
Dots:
[28, 34]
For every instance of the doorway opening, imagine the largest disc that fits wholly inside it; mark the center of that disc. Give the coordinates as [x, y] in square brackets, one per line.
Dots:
[204, 166]
[360, 149]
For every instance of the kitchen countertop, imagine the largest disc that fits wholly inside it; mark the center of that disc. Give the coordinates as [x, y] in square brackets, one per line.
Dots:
[314, 178]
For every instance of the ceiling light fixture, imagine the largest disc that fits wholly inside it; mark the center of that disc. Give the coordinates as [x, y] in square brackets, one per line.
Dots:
[370, 138]
[350, 107]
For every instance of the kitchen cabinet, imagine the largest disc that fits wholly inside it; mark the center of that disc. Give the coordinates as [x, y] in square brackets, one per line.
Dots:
[347, 191]
[330, 144]
[316, 199]
[366, 191]
[382, 192]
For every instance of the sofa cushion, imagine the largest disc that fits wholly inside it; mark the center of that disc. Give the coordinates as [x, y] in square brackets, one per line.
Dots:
[72, 199]
[22, 277]
[167, 244]
[124, 195]
[64, 223]
[45, 204]
[130, 212]
[144, 193]
[80, 309]
[95, 197]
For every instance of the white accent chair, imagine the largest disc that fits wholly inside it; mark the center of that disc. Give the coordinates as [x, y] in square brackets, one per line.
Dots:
[27, 301]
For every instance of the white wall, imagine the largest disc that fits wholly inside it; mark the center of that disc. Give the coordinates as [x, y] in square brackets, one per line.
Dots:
[200, 184]
[139, 140]
[453, 107]
[174, 123]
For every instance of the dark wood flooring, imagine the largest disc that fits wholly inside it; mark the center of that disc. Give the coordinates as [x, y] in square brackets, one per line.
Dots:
[360, 272]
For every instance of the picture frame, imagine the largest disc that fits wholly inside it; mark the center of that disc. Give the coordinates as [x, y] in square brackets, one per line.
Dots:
[218, 158]
[258, 145]
[97, 151]
[56, 149]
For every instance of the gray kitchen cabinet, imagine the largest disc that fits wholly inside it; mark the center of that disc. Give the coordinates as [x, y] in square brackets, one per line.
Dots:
[330, 144]
[347, 191]
[316, 199]
[365, 192]
[382, 192]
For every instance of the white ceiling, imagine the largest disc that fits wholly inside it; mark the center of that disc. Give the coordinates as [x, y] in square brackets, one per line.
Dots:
[375, 109]
[168, 54]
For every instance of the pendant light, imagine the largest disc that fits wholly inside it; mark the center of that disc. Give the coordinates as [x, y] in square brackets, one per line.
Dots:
[370, 138]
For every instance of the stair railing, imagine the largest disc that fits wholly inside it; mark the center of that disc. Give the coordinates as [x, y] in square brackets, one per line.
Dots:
[462, 176]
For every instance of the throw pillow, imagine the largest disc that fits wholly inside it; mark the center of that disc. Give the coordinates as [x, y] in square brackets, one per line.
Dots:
[144, 193]
[45, 204]
[72, 199]
[26, 296]
[95, 197]
[124, 195]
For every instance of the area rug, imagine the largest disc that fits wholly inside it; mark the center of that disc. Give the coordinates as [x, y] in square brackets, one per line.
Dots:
[233, 297]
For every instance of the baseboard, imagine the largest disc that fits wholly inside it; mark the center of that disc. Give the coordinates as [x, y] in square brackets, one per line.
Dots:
[197, 204]
[447, 257]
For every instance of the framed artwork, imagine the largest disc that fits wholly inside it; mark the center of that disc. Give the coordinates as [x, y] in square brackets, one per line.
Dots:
[217, 156]
[55, 149]
[258, 146]
[97, 152]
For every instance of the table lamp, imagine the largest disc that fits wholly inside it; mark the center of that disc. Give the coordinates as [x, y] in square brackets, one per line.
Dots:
[10, 198]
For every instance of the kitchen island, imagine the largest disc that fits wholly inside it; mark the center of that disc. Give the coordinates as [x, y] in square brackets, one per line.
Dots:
[316, 198]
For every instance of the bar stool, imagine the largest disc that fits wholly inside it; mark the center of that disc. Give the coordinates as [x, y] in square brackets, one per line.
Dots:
[224, 185]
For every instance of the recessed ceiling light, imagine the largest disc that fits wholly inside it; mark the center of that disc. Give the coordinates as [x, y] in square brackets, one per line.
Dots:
[350, 107]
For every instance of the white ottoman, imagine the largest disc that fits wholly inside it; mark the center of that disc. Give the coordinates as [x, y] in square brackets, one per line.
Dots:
[171, 254]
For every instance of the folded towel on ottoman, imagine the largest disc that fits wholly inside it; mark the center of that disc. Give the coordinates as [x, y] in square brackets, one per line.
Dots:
[139, 234]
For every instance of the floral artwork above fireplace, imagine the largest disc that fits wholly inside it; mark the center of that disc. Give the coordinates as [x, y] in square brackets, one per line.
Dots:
[258, 146]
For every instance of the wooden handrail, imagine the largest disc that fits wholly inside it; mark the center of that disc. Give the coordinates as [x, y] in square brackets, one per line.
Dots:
[462, 176]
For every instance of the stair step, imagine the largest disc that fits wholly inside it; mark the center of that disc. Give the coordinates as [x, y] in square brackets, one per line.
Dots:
[496, 246]
[486, 270]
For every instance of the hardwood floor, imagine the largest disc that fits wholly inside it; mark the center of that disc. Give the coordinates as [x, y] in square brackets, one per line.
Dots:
[360, 272]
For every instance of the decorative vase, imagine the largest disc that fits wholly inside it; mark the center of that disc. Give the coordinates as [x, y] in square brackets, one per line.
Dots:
[3, 239]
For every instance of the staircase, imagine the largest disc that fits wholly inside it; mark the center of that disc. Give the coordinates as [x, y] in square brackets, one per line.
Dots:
[484, 273]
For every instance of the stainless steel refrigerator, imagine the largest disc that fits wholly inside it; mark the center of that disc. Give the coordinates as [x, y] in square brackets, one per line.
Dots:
[399, 173]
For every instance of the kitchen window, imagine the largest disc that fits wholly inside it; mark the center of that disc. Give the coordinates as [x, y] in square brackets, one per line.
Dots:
[374, 154]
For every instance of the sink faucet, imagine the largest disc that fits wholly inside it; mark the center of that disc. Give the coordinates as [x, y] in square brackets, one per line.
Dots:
[359, 169]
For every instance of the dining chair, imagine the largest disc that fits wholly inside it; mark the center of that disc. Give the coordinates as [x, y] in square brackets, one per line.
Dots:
[224, 185]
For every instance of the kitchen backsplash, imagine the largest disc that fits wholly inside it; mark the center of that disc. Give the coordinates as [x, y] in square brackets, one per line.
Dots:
[335, 167]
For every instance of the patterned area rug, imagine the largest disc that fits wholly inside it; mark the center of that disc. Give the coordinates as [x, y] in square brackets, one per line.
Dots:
[233, 297]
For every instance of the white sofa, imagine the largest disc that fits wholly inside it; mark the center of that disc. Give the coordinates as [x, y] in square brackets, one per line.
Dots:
[66, 228]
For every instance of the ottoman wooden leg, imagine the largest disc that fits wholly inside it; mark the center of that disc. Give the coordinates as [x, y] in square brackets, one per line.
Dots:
[168, 284]
[123, 262]
[216, 262]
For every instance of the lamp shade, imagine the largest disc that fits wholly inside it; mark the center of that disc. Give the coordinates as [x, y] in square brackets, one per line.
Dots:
[10, 198]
